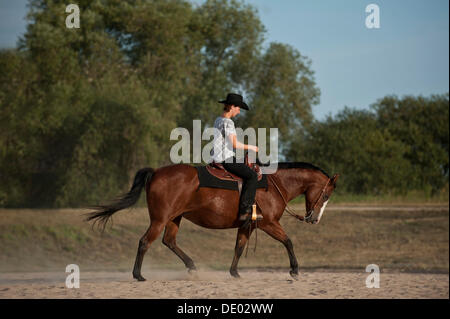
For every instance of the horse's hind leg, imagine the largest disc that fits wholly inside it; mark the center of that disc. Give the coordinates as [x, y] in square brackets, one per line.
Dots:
[152, 233]
[169, 240]
[241, 240]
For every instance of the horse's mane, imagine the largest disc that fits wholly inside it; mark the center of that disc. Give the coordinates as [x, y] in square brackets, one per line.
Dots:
[301, 165]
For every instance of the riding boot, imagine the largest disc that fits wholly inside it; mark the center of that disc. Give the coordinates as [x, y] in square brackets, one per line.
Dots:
[250, 180]
[245, 212]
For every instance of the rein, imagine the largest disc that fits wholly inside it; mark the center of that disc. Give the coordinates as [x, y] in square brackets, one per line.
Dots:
[287, 208]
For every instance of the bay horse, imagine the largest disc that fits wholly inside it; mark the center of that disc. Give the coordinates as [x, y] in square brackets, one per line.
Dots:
[173, 193]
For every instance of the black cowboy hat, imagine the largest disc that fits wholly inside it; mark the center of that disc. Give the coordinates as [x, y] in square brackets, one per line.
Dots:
[235, 99]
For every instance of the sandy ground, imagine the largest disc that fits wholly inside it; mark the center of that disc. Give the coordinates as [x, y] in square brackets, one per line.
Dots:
[219, 284]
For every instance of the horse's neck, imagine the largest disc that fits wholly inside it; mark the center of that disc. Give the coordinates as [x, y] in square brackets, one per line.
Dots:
[295, 181]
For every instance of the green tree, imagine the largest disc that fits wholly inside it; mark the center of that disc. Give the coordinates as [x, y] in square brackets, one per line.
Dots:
[82, 109]
[283, 93]
[230, 36]
[396, 146]
[422, 124]
[369, 160]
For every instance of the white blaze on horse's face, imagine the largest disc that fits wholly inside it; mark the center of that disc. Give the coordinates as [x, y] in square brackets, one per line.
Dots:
[314, 216]
[321, 211]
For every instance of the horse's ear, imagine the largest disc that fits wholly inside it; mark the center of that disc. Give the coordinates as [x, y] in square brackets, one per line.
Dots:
[334, 179]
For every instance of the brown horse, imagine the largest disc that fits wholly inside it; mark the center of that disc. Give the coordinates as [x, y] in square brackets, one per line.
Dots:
[173, 193]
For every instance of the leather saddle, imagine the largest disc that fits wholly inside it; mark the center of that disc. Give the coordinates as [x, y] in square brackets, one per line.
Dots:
[214, 175]
[217, 170]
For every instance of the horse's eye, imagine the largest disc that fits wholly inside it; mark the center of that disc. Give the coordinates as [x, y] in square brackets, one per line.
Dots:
[325, 197]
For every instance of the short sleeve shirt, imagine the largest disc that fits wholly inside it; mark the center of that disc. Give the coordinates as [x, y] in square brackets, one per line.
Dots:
[222, 145]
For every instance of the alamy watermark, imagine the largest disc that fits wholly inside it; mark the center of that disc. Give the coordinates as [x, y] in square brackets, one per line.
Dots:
[73, 19]
[373, 19]
[73, 279]
[181, 151]
[373, 280]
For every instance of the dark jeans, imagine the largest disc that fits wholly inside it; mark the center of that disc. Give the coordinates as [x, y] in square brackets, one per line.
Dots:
[249, 181]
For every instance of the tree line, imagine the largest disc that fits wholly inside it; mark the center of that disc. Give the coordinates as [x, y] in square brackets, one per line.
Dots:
[398, 145]
[82, 109]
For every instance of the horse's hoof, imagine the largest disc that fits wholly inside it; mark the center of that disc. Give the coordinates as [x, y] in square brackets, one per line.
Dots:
[294, 275]
[139, 277]
[193, 272]
[235, 274]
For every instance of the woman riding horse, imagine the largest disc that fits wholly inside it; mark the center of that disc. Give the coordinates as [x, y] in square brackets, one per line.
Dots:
[225, 141]
[173, 193]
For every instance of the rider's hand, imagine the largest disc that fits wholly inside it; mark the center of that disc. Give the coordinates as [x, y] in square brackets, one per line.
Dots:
[255, 148]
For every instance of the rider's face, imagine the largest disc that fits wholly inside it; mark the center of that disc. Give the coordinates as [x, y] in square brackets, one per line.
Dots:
[236, 110]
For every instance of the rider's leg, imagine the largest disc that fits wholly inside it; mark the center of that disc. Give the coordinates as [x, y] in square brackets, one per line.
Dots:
[250, 179]
[248, 191]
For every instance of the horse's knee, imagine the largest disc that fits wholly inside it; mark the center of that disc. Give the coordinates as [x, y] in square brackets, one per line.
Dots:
[240, 246]
[143, 244]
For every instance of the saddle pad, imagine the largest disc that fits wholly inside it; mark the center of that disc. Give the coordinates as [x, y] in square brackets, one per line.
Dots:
[207, 180]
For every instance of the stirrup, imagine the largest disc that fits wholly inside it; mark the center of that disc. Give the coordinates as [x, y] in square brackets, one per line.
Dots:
[246, 216]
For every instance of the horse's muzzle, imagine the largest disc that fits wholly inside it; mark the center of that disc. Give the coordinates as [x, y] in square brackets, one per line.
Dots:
[308, 217]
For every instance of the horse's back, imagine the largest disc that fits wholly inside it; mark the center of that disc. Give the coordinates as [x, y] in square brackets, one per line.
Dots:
[176, 170]
[174, 190]
[174, 175]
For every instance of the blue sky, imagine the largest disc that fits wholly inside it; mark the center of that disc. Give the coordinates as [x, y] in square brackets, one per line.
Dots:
[354, 66]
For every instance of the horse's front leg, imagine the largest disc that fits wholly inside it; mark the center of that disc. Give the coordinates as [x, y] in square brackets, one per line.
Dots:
[275, 230]
[241, 239]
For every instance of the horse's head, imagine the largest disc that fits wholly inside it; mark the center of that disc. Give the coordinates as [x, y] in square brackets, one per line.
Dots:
[317, 197]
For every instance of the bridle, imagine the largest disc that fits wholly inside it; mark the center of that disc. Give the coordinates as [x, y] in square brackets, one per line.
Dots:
[321, 193]
[289, 210]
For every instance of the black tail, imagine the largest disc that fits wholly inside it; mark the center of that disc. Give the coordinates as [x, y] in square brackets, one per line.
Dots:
[104, 212]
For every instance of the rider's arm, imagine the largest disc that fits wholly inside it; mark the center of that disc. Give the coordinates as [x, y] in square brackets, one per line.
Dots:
[236, 144]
